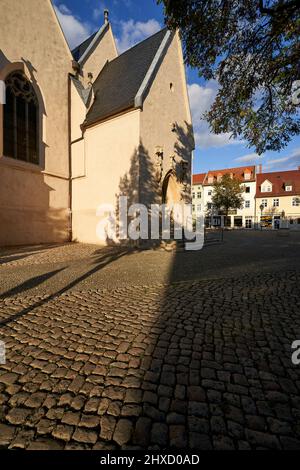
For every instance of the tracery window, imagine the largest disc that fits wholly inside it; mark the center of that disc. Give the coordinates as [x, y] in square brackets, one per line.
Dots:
[20, 119]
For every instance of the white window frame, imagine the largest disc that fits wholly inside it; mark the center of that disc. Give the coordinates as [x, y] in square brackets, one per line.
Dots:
[276, 202]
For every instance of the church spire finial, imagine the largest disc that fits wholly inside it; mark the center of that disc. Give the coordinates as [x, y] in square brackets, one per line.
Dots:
[106, 16]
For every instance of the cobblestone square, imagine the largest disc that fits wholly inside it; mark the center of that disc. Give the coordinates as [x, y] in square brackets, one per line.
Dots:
[117, 349]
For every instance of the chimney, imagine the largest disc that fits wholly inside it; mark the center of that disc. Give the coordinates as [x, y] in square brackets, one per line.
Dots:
[106, 16]
[298, 168]
[259, 169]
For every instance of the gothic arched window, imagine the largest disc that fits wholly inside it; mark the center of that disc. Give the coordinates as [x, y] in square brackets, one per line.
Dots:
[20, 119]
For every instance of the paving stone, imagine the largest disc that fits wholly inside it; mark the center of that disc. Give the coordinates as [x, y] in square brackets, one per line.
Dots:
[107, 425]
[123, 432]
[85, 436]
[159, 434]
[45, 426]
[71, 418]
[17, 416]
[6, 434]
[195, 393]
[131, 410]
[262, 439]
[45, 444]
[198, 409]
[89, 421]
[142, 430]
[199, 441]
[8, 378]
[35, 400]
[63, 432]
[178, 436]
[22, 439]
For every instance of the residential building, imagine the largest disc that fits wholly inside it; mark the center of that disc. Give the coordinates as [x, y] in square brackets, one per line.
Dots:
[202, 191]
[81, 127]
[278, 199]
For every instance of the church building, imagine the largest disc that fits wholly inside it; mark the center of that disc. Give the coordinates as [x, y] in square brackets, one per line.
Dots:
[79, 128]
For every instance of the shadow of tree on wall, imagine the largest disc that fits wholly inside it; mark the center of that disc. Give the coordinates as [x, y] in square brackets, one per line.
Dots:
[141, 185]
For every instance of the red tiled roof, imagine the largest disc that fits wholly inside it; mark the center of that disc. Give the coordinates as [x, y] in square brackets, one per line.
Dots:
[199, 178]
[236, 172]
[279, 180]
[202, 178]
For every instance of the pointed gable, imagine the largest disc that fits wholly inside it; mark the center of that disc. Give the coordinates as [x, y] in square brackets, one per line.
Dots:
[123, 81]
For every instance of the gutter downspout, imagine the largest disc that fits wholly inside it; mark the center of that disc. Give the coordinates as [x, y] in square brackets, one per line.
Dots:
[70, 162]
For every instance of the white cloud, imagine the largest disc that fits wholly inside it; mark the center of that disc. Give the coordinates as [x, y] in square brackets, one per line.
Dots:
[133, 32]
[249, 158]
[289, 162]
[201, 99]
[75, 30]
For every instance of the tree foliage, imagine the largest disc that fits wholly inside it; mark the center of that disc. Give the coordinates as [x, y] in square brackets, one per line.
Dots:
[227, 194]
[251, 47]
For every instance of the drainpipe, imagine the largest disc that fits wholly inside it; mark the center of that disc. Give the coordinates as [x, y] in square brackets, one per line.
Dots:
[70, 162]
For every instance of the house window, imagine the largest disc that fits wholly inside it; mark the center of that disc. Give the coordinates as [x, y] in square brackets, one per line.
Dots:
[199, 208]
[193, 208]
[238, 221]
[193, 195]
[289, 188]
[209, 193]
[266, 188]
[20, 119]
[248, 223]
[247, 204]
[247, 176]
[275, 202]
[247, 189]
[209, 205]
[199, 195]
[296, 202]
[264, 202]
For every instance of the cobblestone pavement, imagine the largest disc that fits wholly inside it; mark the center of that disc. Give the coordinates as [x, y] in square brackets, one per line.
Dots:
[200, 364]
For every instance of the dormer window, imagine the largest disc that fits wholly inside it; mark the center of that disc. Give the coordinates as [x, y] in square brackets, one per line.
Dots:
[289, 188]
[247, 176]
[210, 180]
[266, 187]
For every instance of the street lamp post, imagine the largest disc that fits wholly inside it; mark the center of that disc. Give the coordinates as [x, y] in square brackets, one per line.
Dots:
[261, 213]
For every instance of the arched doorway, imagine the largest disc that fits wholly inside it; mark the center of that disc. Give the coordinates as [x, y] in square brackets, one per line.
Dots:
[171, 190]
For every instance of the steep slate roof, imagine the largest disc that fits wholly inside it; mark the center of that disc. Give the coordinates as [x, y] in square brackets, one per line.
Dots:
[199, 178]
[236, 172]
[118, 83]
[80, 50]
[279, 180]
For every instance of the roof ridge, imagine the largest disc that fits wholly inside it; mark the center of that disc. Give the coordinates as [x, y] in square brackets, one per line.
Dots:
[89, 37]
[138, 44]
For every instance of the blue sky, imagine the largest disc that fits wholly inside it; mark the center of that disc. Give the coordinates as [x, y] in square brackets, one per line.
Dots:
[134, 20]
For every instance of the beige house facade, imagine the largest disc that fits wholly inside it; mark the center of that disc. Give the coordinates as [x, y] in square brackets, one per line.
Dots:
[202, 192]
[79, 128]
[278, 199]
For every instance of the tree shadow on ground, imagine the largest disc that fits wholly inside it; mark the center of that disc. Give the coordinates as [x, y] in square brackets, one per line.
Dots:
[102, 260]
